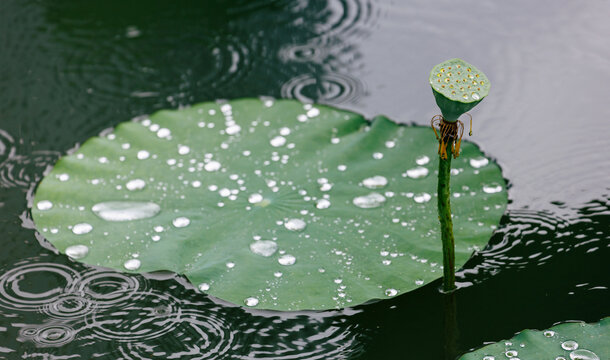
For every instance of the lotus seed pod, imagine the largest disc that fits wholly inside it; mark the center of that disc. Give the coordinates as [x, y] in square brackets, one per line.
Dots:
[457, 87]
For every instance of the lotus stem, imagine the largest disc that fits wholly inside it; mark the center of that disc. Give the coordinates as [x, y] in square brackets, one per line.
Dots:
[444, 216]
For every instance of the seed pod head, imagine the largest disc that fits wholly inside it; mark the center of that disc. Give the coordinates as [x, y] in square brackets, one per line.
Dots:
[457, 87]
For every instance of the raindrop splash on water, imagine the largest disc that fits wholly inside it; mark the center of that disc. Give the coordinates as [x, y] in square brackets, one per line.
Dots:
[125, 210]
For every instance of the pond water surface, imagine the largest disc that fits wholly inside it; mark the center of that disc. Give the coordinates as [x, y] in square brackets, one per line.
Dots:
[70, 69]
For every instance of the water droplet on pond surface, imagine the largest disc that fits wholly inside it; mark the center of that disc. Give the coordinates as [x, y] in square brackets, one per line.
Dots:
[278, 141]
[569, 345]
[375, 182]
[583, 354]
[264, 248]
[77, 251]
[181, 222]
[391, 292]
[422, 198]
[82, 228]
[44, 205]
[422, 160]
[204, 287]
[417, 173]
[132, 264]
[212, 166]
[251, 301]
[136, 184]
[323, 204]
[143, 155]
[492, 189]
[286, 260]
[295, 224]
[478, 163]
[125, 210]
[369, 201]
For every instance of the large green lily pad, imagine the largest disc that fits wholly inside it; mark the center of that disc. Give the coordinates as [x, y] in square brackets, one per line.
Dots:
[567, 341]
[272, 204]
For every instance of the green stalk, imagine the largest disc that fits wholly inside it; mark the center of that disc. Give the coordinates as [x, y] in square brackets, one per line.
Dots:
[444, 216]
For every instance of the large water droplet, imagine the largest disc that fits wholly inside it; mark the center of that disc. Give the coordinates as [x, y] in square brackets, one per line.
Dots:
[82, 228]
[212, 166]
[164, 133]
[44, 205]
[251, 301]
[286, 260]
[233, 129]
[489, 357]
[583, 354]
[181, 222]
[255, 198]
[377, 156]
[204, 287]
[63, 177]
[511, 353]
[375, 182]
[125, 210]
[422, 160]
[391, 292]
[278, 141]
[183, 149]
[323, 204]
[492, 189]
[371, 200]
[295, 224]
[569, 345]
[143, 154]
[132, 264]
[418, 172]
[264, 248]
[136, 184]
[549, 333]
[77, 251]
[479, 162]
[422, 198]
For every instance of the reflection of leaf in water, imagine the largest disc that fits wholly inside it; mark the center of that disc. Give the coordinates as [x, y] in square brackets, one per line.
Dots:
[347, 203]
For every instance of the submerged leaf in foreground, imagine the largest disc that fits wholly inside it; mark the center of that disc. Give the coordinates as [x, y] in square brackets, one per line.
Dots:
[275, 205]
[567, 341]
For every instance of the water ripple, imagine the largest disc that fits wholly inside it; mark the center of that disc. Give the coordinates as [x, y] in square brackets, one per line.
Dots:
[334, 88]
[153, 315]
[50, 280]
[26, 171]
[47, 335]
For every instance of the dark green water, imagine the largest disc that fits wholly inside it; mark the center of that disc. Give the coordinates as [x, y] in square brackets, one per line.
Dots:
[70, 69]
